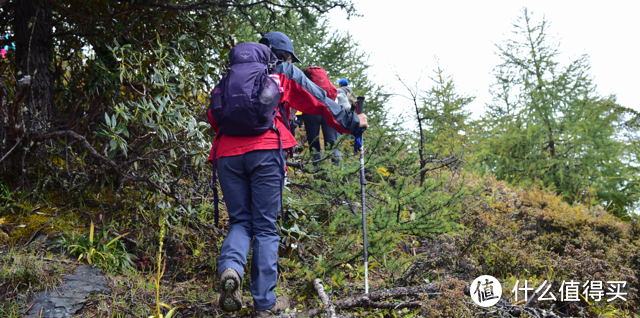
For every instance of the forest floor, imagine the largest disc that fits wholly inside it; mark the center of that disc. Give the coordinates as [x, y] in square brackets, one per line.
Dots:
[513, 234]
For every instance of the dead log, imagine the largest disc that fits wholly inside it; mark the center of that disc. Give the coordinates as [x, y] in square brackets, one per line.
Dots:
[370, 300]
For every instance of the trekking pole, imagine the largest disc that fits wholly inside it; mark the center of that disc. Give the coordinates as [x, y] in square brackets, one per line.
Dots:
[363, 182]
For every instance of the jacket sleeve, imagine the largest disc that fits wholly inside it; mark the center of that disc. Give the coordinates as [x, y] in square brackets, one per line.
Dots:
[305, 96]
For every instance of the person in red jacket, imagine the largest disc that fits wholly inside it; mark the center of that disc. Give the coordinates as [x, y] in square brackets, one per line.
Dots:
[249, 170]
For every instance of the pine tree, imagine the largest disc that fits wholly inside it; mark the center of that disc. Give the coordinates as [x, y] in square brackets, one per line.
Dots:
[548, 127]
[446, 121]
[442, 123]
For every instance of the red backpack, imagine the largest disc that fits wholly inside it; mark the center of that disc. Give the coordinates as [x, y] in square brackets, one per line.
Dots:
[319, 76]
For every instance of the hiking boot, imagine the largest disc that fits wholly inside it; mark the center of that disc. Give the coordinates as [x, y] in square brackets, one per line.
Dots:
[282, 303]
[230, 291]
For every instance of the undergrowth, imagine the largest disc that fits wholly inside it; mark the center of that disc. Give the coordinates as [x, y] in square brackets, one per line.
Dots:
[452, 229]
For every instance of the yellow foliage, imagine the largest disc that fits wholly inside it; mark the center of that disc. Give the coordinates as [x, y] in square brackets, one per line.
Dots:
[72, 162]
[383, 171]
[57, 161]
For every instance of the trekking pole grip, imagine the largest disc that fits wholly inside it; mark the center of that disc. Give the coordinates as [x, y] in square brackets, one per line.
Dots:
[360, 104]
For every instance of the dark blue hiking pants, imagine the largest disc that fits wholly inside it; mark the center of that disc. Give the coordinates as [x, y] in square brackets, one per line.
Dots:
[312, 126]
[250, 185]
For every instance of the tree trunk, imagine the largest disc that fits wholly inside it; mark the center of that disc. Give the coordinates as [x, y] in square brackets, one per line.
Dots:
[34, 57]
[33, 111]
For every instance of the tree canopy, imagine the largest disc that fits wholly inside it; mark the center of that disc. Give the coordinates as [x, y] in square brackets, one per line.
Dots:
[548, 127]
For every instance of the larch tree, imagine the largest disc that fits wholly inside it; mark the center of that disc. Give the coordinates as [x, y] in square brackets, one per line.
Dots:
[548, 127]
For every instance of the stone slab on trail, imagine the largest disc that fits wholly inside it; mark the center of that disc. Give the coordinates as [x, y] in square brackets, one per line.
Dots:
[65, 300]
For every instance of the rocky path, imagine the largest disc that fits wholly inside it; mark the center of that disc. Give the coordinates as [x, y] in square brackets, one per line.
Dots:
[65, 300]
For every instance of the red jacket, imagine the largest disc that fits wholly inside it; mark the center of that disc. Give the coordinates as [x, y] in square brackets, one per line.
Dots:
[299, 93]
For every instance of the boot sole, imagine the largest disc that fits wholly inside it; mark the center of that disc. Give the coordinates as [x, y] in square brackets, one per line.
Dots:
[230, 295]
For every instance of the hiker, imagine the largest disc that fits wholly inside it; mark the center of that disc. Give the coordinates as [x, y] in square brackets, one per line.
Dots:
[346, 91]
[251, 168]
[343, 86]
[313, 123]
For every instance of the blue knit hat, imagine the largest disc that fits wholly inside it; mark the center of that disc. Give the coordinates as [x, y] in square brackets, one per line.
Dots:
[343, 82]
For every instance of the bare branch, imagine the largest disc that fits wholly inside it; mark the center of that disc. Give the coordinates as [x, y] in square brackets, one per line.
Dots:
[317, 284]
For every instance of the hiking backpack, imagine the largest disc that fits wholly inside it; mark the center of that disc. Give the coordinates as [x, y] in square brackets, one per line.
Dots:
[246, 101]
[319, 76]
[353, 98]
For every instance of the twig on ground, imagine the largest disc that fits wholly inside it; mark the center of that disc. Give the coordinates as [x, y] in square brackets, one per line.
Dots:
[370, 300]
[317, 284]
[116, 234]
[27, 310]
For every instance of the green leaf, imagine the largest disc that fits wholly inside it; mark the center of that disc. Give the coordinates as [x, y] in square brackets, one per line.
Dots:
[112, 154]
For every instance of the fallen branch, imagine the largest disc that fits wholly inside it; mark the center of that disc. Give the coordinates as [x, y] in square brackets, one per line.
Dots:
[116, 234]
[317, 284]
[371, 300]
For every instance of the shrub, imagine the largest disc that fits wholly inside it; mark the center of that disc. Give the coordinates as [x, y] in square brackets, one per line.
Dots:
[108, 254]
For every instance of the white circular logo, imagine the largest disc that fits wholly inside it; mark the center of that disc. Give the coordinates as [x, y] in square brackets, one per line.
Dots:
[485, 291]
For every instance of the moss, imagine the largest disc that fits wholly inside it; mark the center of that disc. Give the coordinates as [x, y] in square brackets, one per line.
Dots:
[66, 224]
[20, 227]
[26, 225]
[4, 237]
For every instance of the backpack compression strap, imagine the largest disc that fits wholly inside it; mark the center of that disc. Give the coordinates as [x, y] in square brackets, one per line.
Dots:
[280, 108]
